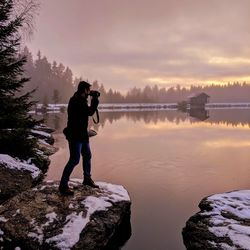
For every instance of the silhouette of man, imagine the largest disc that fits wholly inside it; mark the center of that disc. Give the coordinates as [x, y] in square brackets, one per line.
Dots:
[76, 133]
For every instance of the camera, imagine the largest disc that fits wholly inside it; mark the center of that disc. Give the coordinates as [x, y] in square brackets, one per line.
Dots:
[94, 93]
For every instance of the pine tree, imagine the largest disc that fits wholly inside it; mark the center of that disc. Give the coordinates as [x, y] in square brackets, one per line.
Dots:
[55, 96]
[45, 104]
[15, 122]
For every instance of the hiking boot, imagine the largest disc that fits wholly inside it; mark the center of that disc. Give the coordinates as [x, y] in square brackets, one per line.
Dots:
[89, 182]
[65, 190]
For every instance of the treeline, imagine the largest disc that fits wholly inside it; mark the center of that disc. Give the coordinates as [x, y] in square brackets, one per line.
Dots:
[55, 83]
[232, 92]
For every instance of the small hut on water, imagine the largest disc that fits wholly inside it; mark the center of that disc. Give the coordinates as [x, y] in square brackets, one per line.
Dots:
[198, 101]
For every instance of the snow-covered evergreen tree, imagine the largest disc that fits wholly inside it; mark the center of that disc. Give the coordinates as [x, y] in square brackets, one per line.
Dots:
[15, 122]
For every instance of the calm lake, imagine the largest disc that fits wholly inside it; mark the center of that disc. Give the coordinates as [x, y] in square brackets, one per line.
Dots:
[168, 161]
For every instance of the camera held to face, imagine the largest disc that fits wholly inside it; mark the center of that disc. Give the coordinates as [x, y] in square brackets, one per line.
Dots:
[94, 93]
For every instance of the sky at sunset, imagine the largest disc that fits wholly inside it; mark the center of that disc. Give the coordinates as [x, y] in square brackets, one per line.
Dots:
[146, 42]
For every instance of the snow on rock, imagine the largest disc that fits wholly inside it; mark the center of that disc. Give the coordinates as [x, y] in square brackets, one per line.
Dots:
[115, 193]
[38, 234]
[58, 222]
[70, 233]
[51, 217]
[222, 223]
[19, 175]
[77, 222]
[14, 163]
[2, 219]
[16, 176]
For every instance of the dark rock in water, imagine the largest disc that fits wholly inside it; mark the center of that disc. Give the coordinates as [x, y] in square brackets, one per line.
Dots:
[222, 223]
[41, 218]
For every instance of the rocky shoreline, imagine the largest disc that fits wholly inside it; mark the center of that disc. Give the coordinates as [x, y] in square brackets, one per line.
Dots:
[33, 214]
[17, 176]
[41, 218]
[222, 224]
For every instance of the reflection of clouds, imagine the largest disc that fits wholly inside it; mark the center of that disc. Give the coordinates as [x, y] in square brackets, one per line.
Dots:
[188, 125]
[141, 130]
[129, 135]
[224, 143]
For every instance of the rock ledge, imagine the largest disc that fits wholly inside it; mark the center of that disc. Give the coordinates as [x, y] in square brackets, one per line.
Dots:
[18, 175]
[222, 223]
[41, 218]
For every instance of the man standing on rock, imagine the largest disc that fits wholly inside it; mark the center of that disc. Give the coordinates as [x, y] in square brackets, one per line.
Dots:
[76, 133]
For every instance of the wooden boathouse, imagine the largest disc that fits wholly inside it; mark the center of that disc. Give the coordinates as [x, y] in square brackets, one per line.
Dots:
[198, 101]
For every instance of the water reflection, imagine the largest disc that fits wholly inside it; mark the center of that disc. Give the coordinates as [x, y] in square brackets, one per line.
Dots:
[56, 120]
[228, 143]
[228, 117]
[200, 114]
[168, 161]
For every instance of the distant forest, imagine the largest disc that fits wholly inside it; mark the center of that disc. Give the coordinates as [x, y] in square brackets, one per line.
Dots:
[55, 83]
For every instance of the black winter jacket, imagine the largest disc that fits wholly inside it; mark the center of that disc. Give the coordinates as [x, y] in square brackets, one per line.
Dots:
[78, 115]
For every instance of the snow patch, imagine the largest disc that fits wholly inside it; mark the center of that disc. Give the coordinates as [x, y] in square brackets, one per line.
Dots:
[40, 133]
[17, 212]
[225, 246]
[114, 192]
[2, 219]
[118, 193]
[71, 206]
[237, 206]
[32, 221]
[44, 142]
[77, 222]
[51, 218]
[42, 187]
[38, 235]
[237, 203]
[1, 232]
[14, 163]
[38, 230]
[71, 231]
[40, 152]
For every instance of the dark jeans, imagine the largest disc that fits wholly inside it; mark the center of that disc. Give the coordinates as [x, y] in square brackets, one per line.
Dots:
[76, 148]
